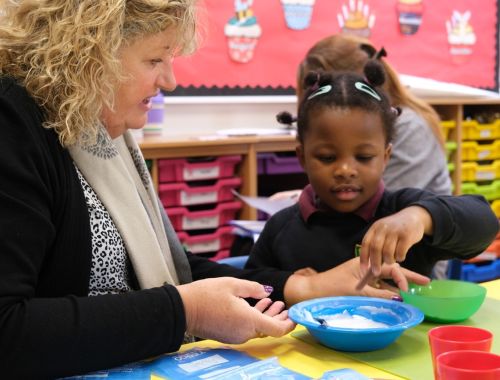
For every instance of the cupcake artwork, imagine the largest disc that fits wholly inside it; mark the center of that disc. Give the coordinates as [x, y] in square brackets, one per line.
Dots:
[409, 15]
[298, 13]
[356, 19]
[461, 36]
[242, 32]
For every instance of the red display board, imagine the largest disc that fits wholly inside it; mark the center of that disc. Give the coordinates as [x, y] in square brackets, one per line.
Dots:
[258, 44]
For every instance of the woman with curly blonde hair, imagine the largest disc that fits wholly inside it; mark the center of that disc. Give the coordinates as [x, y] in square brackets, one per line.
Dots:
[92, 275]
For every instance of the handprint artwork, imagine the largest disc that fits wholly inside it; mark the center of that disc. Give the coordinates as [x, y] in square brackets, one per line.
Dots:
[356, 19]
[461, 36]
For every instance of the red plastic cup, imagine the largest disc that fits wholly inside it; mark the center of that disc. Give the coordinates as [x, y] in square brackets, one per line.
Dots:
[457, 338]
[468, 365]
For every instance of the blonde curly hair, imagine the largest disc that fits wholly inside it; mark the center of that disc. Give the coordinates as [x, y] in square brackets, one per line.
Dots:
[65, 52]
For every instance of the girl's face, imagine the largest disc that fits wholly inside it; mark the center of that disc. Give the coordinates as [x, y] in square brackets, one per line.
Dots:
[344, 154]
[147, 66]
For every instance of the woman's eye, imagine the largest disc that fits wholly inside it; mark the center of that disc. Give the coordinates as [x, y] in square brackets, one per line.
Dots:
[156, 61]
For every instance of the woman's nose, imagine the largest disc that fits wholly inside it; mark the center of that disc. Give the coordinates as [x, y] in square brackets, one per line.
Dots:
[166, 79]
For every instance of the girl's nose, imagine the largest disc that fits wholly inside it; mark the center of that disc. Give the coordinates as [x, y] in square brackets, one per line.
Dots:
[166, 79]
[345, 170]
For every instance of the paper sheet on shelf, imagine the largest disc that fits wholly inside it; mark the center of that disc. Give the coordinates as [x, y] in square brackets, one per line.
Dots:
[265, 204]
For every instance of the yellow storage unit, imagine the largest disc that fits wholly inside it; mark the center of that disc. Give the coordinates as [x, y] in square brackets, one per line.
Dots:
[474, 171]
[474, 151]
[473, 130]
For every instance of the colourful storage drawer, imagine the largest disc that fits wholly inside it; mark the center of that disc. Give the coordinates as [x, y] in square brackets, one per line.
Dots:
[473, 151]
[219, 240]
[473, 130]
[273, 163]
[184, 194]
[490, 191]
[184, 219]
[222, 254]
[195, 169]
[450, 146]
[495, 206]
[480, 272]
[473, 171]
[447, 126]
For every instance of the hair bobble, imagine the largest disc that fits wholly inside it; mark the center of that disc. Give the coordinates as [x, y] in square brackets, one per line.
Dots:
[286, 118]
[396, 111]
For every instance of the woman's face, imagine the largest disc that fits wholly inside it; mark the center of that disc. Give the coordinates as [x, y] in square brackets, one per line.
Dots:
[344, 155]
[147, 66]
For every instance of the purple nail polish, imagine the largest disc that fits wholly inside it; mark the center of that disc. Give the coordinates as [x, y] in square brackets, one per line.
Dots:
[268, 288]
[397, 298]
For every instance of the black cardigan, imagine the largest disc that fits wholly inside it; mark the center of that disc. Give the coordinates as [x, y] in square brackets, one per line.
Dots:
[48, 326]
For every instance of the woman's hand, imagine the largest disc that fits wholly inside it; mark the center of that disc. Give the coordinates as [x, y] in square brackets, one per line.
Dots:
[389, 239]
[343, 280]
[215, 309]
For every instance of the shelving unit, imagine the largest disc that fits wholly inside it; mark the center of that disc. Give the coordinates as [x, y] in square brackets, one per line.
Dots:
[154, 148]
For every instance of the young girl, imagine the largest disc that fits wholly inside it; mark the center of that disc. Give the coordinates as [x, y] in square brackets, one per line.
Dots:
[345, 125]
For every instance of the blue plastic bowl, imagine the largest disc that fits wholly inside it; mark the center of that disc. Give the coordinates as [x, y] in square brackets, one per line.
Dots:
[396, 315]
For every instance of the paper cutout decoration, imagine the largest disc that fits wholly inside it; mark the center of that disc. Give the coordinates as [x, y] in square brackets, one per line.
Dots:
[409, 16]
[242, 32]
[461, 36]
[356, 19]
[298, 13]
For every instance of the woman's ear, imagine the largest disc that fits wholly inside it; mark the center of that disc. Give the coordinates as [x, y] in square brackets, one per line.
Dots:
[299, 150]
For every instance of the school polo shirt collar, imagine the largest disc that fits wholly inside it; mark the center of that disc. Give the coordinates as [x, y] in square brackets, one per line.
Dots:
[308, 206]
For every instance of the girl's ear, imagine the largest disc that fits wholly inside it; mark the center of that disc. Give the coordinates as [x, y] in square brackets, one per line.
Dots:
[387, 153]
[299, 150]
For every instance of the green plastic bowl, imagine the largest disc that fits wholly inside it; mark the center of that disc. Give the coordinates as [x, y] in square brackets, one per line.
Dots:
[446, 300]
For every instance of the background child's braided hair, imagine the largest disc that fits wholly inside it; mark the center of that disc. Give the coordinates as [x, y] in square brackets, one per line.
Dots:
[345, 90]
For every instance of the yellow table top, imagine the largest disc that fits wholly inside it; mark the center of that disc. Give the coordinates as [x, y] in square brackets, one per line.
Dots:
[314, 360]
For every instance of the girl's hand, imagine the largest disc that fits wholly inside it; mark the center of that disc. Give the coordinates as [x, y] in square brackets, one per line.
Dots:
[215, 309]
[343, 280]
[389, 239]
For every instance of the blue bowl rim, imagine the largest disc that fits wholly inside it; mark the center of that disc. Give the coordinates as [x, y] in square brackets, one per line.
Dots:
[416, 315]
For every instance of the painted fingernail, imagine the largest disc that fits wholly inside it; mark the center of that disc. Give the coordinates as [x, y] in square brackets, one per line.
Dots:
[397, 298]
[268, 288]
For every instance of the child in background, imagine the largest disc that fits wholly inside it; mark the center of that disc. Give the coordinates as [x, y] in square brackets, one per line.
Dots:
[345, 125]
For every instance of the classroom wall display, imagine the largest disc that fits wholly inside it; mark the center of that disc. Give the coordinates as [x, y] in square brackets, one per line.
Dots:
[254, 46]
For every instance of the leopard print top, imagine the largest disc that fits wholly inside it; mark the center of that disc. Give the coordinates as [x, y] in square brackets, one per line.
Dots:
[111, 271]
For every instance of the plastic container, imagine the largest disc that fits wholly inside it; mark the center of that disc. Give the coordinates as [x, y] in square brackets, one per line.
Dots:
[468, 365]
[195, 169]
[219, 240]
[184, 219]
[473, 130]
[274, 163]
[495, 206]
[450, 146]
[490, 191]
[446, 301]
[480, 272]
[397, 317]
[474, 171]
[184, 194]
[220, 255]
[457, 338]
[154, 124]
[474, 151]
